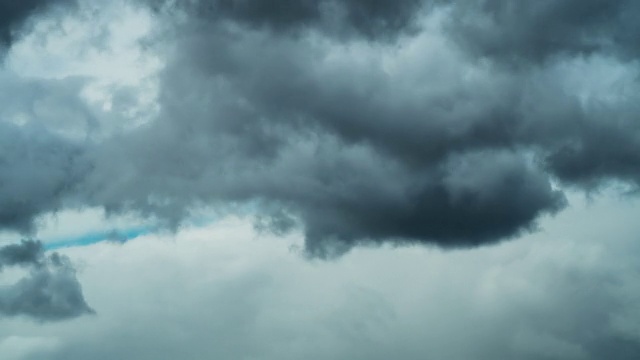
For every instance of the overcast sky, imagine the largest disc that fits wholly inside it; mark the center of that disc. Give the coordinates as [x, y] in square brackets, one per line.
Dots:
[319, 179]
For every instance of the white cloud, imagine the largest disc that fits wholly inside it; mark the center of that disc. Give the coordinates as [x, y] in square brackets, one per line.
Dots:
[107, 47]
[18, 348]
[223, 291]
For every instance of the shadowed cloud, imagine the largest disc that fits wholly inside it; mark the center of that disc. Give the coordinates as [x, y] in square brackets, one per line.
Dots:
[434, 122]
[50, 291]
[14, 13]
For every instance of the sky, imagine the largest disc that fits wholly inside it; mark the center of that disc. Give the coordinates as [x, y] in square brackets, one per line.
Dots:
[298, 179]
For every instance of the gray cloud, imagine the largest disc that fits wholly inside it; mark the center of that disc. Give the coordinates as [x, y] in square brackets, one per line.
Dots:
[451, 127]
[536, 31]
[50, 291]
[369, 18]
[52, 105]
[13, 15]
[359, 153]
[544, 297]
[383, 135]
[38, 170]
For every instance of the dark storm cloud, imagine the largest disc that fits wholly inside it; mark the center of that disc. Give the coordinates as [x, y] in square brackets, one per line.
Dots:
[338, 144]
[13, 14]
[370, 18]
[589, 143]
[473, 200]
[536, 30]
[370, 141]
[50, 291]
[451, 133]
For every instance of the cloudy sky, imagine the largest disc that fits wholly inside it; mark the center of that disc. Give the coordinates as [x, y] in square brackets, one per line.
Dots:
[319, 179]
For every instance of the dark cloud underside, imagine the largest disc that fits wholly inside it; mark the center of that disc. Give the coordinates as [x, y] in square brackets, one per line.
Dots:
[49, 292]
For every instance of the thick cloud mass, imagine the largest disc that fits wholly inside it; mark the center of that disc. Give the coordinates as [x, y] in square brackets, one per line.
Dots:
[441, 122]
[453, 124]
[37, 170]
[537, 30]
[369, 18]
[13, 13]
[50, 292]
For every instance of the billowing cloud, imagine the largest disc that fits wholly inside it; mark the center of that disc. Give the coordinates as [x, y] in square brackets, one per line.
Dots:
[442, 122]
[451, 124]
[416, 139]
[49, 292]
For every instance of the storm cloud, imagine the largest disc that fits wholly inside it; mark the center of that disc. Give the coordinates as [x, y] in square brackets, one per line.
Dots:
[352, 129]
[50, 291]
[537, 31]
[369, 18]
[454, 123]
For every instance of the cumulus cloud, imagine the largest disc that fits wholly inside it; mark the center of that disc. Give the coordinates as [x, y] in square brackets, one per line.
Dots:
[439, 122]
[416, 139]
[49, 292]
[345, 123]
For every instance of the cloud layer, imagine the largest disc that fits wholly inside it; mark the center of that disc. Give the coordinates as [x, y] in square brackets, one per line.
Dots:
[345, 124]
[224, 291]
